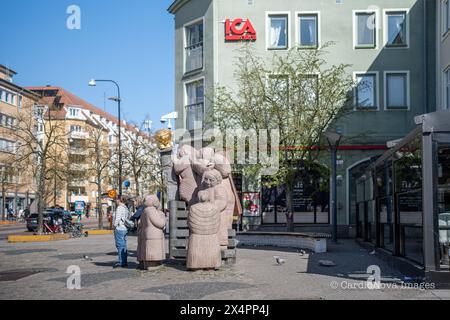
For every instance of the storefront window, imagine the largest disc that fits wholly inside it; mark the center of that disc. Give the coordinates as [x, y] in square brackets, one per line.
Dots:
[443, 202]
[408, 196]
[310, 197]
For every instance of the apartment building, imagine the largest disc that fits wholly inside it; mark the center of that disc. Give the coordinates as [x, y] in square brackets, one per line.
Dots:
[17, 188]
[82, 123]
[390, 46]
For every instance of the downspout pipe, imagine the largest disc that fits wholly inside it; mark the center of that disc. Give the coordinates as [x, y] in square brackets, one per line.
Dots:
[425, 55]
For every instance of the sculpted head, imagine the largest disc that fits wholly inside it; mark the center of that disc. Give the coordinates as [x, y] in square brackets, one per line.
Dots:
[206, 153]
[186, 150]
[152, 201]
[204, 196]
[211, 178]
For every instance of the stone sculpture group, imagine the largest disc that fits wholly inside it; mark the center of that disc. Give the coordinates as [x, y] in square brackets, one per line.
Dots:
[206, 185]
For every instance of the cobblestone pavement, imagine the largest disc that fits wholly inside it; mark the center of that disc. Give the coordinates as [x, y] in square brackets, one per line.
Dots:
[38, 271]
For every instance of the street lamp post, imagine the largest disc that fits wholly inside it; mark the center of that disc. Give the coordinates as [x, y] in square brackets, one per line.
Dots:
[334, 138]
[93, 83]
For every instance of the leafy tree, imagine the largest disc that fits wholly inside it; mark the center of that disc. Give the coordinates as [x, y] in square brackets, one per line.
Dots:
[298, 93]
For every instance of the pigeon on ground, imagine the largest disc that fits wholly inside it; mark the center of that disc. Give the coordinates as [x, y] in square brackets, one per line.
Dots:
[280, 261]
[302, 252]
[87, 258]
[373, 252]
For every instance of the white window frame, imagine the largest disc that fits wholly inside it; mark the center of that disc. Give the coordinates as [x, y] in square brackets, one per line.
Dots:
[386, 27]
[297, 29]
[185, 98]
[5, 93]
[355, 29]
[190, 23]
[377, 91]
[288, 30]
[76, 112]
[270, 76]
[408, 89]
[445, 18]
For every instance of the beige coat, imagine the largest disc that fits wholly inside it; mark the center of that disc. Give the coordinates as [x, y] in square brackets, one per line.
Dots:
[151, 235]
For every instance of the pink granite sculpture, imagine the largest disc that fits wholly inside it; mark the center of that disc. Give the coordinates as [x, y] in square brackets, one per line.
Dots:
[151, 249]
[208, 172]
[212, 182]
[203, 162]
[233, 206]
[183, 168]
[204, 225]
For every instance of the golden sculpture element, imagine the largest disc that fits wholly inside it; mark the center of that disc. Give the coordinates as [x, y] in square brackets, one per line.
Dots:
[164, 139]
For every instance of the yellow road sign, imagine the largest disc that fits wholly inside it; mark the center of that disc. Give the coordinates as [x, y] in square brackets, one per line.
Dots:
[112, 194]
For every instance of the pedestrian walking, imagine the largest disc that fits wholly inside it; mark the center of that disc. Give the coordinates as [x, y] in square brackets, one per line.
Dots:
[121, 232]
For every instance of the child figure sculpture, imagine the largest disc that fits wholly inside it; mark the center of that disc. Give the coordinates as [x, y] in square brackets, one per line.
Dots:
[204, 224]
[151, 249]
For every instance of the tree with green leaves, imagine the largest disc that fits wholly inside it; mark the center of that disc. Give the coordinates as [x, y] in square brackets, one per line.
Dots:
[297, 93]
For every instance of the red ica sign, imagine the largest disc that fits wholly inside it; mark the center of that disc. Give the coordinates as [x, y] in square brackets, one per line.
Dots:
[236, 31]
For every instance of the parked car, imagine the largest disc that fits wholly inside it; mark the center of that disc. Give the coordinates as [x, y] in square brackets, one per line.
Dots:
[49, 215]
[32, 221]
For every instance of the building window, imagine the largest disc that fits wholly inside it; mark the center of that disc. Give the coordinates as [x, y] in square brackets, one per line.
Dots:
[396, 90]
[19, 101]
[279, 89]
[7, 146]
[7, 96]
[446, 15]
[278, 35]
[396, 28]
[7, 121]
[309, 30]
[75, 128]
[74, 112]
[447, 88]
[366, 91]
[194, 47]
[365, 30]
[309, 88]
[195, 105]
[39, 111]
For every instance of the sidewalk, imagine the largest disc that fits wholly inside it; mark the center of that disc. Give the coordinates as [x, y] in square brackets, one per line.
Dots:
[255, 276]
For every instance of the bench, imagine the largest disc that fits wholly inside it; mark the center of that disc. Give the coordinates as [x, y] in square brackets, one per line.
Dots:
[316, 242]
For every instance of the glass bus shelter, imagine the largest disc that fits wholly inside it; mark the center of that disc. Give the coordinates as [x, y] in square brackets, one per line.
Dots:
[404, 196]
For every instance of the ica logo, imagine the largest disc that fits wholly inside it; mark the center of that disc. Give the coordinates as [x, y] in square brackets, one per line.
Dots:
[237, 30]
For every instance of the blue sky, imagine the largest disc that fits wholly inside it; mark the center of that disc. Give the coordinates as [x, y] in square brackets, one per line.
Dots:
[130, 41]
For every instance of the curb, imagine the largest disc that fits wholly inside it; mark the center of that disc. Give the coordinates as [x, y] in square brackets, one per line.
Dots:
[7, 223]
[98, 232]
[41, 238]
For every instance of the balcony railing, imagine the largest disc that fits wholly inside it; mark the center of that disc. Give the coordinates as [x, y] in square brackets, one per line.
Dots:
[77, 183]
[194, 57]
[78, 135]
[78, 151]
[78, 167]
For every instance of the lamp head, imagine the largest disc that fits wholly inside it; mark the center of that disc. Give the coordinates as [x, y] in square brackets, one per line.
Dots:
[116, 99]
[333, 136]
[92, 83]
